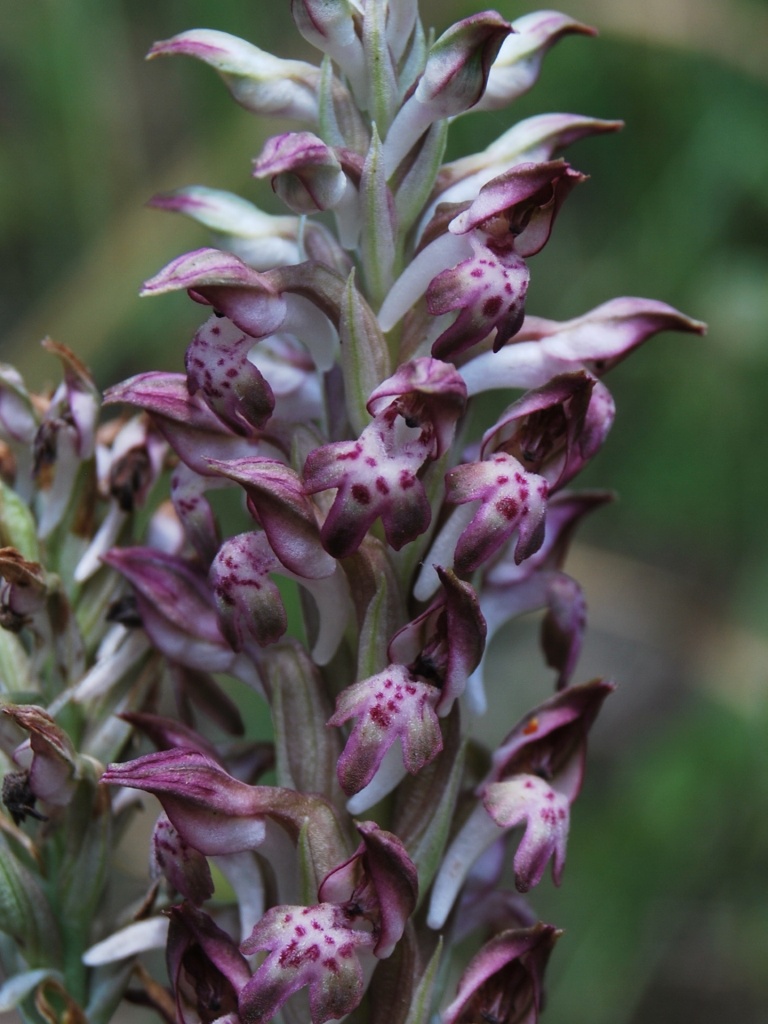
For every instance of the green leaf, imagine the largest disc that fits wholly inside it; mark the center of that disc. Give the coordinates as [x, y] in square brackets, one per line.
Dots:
[377, 240]
[306, 750]
[364, 355]
[25, 913]
[17, 524]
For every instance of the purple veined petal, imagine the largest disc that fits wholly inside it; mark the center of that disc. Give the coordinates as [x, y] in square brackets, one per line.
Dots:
[453, 80]
[311, 947]
[518, 64]
[257, 80]
[597, 341]
[389, 706]
[211, 811]
[168, 733]
[190, 427]
[205, 967]
[221, 280]
[533, 140]
[305, 172]
[177, 611]
[262, 240]
[378, 883]
[505, 977]
[276, 496]
[330, 27]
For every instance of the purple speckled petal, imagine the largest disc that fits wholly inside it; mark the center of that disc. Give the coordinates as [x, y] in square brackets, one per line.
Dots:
[218, 367]
[249, 604]
[529, 800]
[389, 706]
[375, 476]
[312, 947]
[511, 499]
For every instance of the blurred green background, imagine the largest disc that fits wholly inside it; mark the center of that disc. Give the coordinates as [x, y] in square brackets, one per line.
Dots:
[664, 900]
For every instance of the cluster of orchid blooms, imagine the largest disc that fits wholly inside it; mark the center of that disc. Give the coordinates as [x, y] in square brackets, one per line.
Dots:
[328, 392]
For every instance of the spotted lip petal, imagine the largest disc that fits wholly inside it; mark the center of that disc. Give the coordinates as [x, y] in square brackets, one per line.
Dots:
[375, 476]
[185, 868]
[511, 499]
[529, 800]
[218, 367]
[248, 602]
[388, 706]
[312, 947]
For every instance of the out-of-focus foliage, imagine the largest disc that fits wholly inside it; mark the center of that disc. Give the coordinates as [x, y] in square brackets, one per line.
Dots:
[664, 889]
